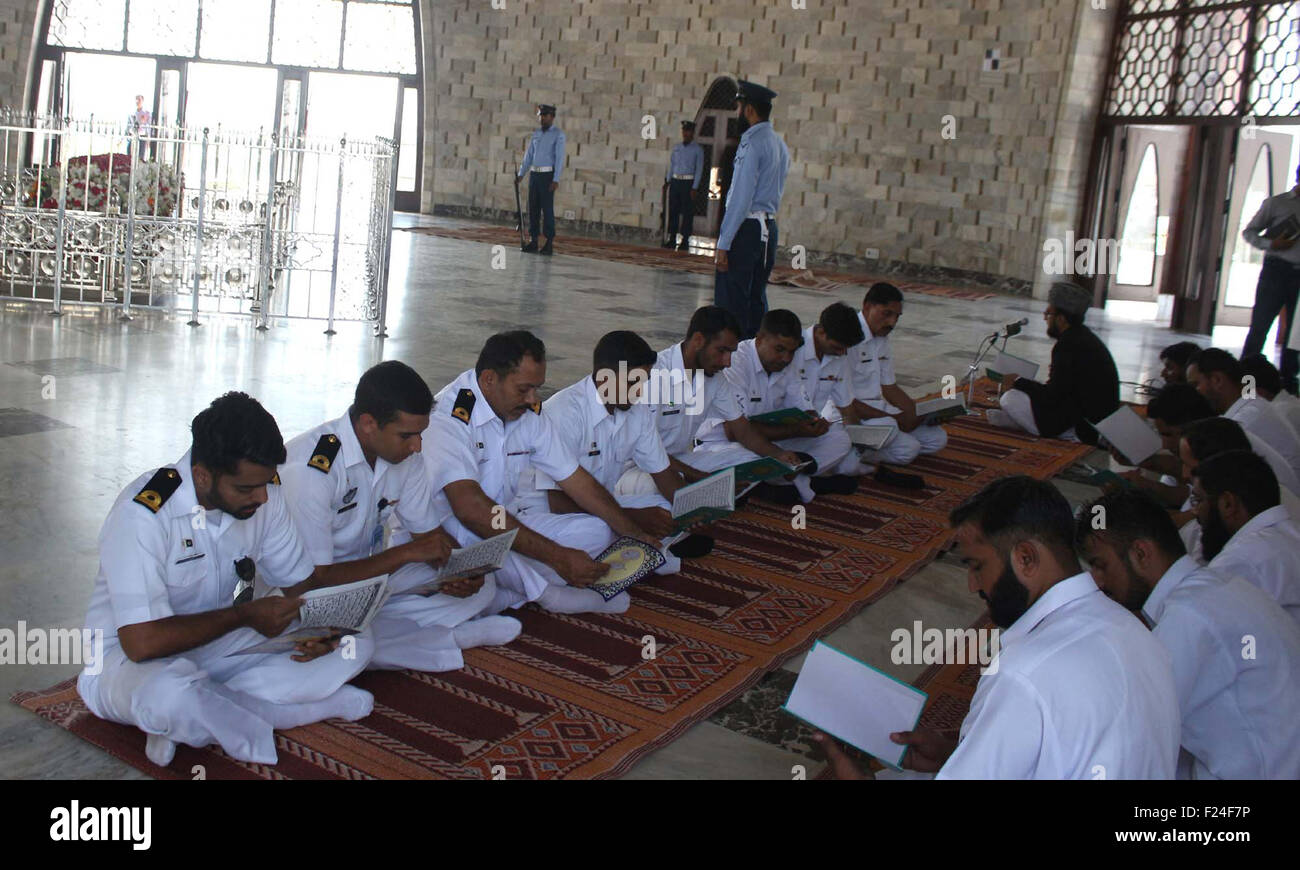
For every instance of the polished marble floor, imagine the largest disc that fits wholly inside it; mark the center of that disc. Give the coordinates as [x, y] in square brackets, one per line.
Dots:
[88, 402]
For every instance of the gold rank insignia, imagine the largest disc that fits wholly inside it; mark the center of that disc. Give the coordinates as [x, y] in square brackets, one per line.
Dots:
[276, 479]
[537, 407]
[464, 406]
[160, 487]
[323, 456]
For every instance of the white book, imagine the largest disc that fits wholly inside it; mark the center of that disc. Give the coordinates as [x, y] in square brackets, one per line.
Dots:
[937, 410]
[344, 609]
[1008, 363]
[477, 559]
[854, 702]
[714, 493]
[1130, 435]
[871, 437]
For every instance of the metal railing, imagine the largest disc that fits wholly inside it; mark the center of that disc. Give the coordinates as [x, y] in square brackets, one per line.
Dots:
[195, 220]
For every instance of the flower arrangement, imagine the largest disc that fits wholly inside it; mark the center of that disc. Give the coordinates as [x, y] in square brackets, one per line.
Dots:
[102, 183]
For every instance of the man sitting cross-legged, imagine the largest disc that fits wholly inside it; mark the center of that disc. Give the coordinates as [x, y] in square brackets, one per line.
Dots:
[173, 548]
[1239, 710]
[604, 421]
[763, 381]
[878, 399]
[345, 479]
[485, 432]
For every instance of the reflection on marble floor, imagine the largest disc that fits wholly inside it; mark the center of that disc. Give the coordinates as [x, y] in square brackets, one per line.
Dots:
[125, 392]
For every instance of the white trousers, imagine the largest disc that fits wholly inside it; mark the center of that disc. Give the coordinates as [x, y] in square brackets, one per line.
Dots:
[412, 631]
[522, 579]
[1020, 409]
[708, 457]
[904, 447]
[204, 696]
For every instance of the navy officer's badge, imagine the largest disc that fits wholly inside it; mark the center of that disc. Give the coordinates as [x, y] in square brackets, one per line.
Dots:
[323, 456]
[464, 406]
[160, 487]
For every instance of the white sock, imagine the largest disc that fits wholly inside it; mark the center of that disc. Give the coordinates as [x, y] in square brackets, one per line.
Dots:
[1001, 419]
[560, 598]
[671, 565]
[159, 749]
[348, 703]
[804, 485]
[487, 631]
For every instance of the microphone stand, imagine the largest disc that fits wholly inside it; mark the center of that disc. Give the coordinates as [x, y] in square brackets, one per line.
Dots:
[983, 351]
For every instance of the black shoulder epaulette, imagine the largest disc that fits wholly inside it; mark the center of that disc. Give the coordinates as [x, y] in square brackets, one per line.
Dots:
[537, 407]
[323, 456]
[464, 406]
[276, 479]
[160, 487]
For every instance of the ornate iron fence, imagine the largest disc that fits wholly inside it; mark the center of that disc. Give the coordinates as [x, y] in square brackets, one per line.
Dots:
[209, 222]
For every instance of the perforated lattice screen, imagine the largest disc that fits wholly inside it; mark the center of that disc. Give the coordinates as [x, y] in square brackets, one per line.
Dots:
[1204, 59]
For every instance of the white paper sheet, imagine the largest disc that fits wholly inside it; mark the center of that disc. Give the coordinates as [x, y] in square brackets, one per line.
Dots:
[1008, 363]
[871, 437]
[1130, 434]
[854, 702]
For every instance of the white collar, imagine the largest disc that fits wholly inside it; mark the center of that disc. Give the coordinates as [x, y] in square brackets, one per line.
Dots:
[1154, 607]
[1064, 592]
[1263, 520]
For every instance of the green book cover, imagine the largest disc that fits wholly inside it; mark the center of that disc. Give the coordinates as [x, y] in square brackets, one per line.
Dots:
[785, 415]
[699, 516]
[759, 470]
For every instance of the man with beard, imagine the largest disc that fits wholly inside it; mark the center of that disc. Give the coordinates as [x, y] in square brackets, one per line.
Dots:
[543, 161]
[763, 381]
[174, 546]
[1238, 711]
[485, 432]
[1219, 377]
[1082, 384]
[878, 399]
[1080, 691]
[603, 420]
[346, 479]
[746, 249]
[1268, 386]
[1245, 530]
[688, 388]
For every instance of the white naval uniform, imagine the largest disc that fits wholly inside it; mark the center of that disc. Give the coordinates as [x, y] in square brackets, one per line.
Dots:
[1191, 530]
[496, 454]
[181, 560]
[1260, 418]
[760, 392]
[1239, 711]
[872, 366]
[1266, 553]
[1287, 407]
[685, 402]
[341, 507]
[1081, 691]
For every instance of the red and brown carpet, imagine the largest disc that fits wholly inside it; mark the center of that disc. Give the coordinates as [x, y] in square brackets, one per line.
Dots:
[587, 696]
[660, 258]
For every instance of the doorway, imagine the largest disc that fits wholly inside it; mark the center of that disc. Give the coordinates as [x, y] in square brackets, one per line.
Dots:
[718, 132]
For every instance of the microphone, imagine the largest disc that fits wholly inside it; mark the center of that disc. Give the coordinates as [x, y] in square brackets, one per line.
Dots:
[1014, 328]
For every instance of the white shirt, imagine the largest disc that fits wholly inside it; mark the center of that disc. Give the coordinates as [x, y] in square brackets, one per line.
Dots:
[603, 442]
[1259, 417]
[1288, 408]
[1240, 704]
[872, 362]
[681, 409]
[1286, 478]
[341, 505]
[485, 448]
[1082, 691]
[756, 390]
[829, 379]
[181, 560]
[1266, 552]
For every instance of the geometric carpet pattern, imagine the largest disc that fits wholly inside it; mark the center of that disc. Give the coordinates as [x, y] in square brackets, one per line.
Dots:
[586, 696]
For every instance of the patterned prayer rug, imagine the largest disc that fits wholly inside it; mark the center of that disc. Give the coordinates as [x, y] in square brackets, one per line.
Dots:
[660, 258]
[588, 696]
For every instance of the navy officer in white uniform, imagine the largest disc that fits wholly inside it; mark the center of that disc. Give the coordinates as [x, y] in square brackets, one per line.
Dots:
[486, 432]
[172, 550]
[347, 480]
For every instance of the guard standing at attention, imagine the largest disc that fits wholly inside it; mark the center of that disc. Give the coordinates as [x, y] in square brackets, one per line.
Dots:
[682, 181]
[544, 161]
[746, 249]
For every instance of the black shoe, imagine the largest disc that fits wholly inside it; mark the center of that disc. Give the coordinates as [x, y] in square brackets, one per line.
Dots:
[836, 484]
[668, 245]
[782, 495]
[530, 248]
[899, 479]
[683, 247]
[547, 250]
[692, 547]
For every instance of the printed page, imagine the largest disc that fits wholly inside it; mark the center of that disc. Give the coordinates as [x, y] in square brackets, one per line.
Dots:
[480, 558]
[854, 702]
[716, 491]
[350, 606]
